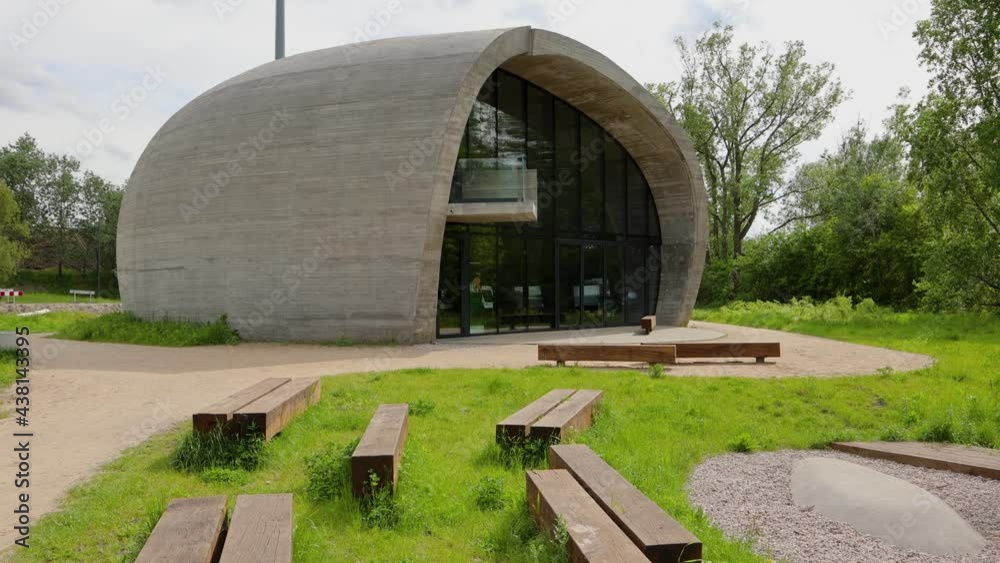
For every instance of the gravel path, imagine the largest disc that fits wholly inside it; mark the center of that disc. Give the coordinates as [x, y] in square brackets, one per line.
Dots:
[749, 496]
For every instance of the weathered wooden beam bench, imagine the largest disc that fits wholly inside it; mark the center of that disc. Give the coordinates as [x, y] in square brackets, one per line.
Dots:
[593, 536]
[260, 530]
[574, 414]
[516, 426]
[380, 450]
[269, 414]
[661, 538]
[973, 460]
[757, 350]
[221, 413]
[562, 353]
[190, 531]
[648, 323]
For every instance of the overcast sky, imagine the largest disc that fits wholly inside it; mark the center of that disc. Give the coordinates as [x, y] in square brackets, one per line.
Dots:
[68, 65]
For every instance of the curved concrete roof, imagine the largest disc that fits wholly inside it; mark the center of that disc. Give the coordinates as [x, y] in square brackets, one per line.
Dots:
[307, 198]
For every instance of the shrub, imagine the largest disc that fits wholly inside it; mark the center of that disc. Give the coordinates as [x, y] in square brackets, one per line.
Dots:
[421, 407]
[490, 494]
[380, 509]
[329, 471]
[743, 444]
[656, 371]
[200, 451]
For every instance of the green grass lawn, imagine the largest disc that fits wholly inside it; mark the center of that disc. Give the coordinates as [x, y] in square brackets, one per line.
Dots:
[123, 328]
[654, 431]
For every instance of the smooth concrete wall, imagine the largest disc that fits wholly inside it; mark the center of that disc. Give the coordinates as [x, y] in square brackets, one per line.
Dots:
[306, 199]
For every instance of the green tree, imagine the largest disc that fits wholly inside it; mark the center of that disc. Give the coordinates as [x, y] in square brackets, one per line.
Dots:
[955, 152]
[747, 111]
[13, 231]
[25, 168]
[100, 203]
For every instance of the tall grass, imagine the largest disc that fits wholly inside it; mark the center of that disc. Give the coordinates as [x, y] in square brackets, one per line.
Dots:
[127, 329]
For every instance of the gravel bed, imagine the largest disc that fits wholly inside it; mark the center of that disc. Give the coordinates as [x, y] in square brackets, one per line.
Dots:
[97, 308]
[749, 496]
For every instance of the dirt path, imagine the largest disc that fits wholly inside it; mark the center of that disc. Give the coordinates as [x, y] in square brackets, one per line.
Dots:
[91, 401]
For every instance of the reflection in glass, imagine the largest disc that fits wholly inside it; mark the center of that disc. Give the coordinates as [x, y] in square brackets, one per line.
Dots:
[511, 294]
[593, 285]
[541, 284]
[450, 288]
[570, 294]
[482, 283]
[567, 168]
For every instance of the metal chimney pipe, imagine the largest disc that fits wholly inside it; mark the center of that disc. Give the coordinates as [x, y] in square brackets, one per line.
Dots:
[279, 31]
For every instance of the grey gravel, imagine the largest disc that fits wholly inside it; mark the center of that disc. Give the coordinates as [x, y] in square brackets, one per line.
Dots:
[83, 307]
[748, 496]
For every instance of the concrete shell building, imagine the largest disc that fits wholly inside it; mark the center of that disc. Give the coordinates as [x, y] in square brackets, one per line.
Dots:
[419, 187]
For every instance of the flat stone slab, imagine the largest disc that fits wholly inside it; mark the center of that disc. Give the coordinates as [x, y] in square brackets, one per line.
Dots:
[894, 510]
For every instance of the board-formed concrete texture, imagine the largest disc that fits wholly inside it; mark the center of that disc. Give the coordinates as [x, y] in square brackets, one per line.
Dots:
[884, 506]
[306, 199]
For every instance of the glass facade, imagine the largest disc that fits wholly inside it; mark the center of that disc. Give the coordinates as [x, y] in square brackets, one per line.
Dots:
[591, 259]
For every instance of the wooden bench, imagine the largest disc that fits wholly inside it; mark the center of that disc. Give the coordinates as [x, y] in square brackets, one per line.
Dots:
[757, 350]
[648, 323]
[552, 415]
[221, 413]
[572, 415]
[190, 531]
[652, 354]
[516, 426]
[593, 536]
[380, 450]
[981, 462]
[260, 530]
[84, 292]
[269, 414]
[654, 532]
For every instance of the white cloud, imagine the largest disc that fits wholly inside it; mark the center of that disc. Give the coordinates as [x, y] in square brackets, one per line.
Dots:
[61, 84]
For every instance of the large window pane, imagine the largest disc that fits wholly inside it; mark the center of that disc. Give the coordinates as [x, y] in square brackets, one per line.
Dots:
[591, 186]
[541, 284]
[614, 300]
[614, 181]
[541, 152]
[450, 288]
[510, 295]
[637, 198]
[654, 218]
[570, 291]
[593, 285]
[510, 116]
[635, 283]
[567, 169]
[483, 123]
[482, 283]
[653, 262]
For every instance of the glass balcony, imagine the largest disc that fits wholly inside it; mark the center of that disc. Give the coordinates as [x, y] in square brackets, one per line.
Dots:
[493, 190]
[489, 180]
